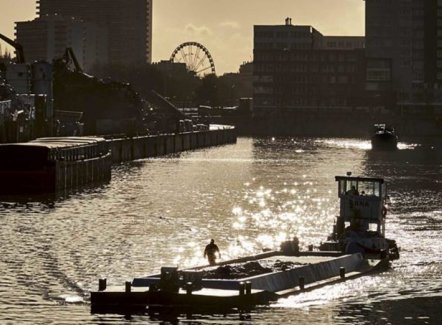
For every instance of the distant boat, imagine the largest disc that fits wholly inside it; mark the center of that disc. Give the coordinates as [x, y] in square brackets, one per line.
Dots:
[384, 138]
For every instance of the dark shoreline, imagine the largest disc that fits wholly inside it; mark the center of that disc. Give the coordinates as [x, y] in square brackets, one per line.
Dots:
[333, 125]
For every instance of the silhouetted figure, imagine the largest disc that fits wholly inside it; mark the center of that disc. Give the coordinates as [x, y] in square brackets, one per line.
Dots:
[353, 191]
[210, 251]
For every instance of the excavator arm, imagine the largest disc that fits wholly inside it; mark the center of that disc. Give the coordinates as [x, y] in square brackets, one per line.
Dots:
[69, 56]
[20, 56]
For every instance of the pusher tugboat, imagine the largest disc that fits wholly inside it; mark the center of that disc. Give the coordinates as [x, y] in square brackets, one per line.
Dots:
[360, 226]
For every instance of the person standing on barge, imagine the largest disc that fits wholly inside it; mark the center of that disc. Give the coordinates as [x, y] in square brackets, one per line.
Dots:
[210, 251]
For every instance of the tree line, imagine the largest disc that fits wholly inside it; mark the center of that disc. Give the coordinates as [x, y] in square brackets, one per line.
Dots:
[182, 87]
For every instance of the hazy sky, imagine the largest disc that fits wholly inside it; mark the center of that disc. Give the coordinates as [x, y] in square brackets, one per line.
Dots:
[225, 27]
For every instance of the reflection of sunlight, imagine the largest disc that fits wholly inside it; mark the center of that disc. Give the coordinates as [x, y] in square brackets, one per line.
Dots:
[361, 144]
[346, 291]
[276, 215]
[347, 143]
[72, 299]
[265, 240]
[237, 211]
[270, 216]
[409, 146]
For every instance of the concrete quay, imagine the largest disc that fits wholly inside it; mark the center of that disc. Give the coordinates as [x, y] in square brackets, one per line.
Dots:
[126, 149]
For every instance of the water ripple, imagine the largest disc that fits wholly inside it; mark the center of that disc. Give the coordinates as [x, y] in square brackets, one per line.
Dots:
[249, 197]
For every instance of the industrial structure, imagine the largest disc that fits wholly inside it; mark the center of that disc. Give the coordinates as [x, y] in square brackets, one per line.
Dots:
[26, 109]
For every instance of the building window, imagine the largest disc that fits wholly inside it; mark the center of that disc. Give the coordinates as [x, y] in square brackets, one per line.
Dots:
[378, 75]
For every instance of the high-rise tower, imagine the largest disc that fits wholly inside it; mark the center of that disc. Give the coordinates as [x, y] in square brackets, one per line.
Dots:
[404, 47]
[128, 24]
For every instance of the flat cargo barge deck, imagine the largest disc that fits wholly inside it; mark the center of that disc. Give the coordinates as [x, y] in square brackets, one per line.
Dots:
[206, 288]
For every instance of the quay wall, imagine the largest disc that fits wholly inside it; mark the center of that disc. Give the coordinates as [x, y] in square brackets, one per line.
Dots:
[66, 174]
[73, 174]
[126, 149]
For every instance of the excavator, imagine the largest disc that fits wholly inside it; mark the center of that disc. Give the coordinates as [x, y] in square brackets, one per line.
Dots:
[100, 99]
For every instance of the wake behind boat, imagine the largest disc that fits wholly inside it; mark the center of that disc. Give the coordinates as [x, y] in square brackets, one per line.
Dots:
[356, 247]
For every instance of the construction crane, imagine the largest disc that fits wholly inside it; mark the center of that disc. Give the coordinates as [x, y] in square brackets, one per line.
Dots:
[20, 56]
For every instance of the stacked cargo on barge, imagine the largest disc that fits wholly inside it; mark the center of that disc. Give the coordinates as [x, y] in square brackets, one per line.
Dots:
[48, 165]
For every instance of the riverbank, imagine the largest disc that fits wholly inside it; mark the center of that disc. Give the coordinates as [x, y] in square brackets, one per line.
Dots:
[63, 163]
[126, 149]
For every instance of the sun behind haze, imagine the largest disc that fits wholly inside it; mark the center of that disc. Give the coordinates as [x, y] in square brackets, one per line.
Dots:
[225, 27]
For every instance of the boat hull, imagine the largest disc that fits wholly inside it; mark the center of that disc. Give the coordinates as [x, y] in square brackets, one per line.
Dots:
[15, 182]
[384, 141]
[315, 269]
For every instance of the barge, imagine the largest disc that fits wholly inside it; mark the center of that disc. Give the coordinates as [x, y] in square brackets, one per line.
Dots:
[356, 247]
[48, 165]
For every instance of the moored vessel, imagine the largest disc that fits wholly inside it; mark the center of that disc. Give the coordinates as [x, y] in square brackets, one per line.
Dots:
[47, 165]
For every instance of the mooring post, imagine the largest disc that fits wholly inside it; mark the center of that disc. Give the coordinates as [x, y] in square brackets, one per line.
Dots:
[241, 288]
[128, 286]
[301, 283]
[342, 272]
[248, 288]
[102, 284]
[189, 288]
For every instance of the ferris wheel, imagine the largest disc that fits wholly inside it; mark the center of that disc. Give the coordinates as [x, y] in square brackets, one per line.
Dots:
[196, 57]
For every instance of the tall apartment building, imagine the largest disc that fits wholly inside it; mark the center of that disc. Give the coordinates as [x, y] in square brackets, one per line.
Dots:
[296, 68]
[47, 37]
[439, 40]
[128, 24]
[404, 47]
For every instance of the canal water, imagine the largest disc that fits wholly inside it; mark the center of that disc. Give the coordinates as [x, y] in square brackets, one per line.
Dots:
[248, 197]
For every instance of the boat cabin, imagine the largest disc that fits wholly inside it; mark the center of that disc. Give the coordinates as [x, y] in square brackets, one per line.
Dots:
[362, 200]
